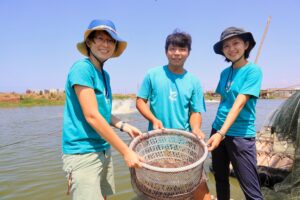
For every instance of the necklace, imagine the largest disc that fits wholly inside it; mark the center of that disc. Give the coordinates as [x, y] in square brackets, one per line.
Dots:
[103, 74]
[229, 79]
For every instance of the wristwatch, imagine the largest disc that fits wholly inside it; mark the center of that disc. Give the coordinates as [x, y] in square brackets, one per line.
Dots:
[223, 135]
[122, 126]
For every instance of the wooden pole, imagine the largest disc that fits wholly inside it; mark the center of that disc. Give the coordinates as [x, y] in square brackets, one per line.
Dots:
[263, 38]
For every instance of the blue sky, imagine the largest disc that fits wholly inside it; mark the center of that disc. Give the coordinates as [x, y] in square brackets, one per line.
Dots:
[39, 37]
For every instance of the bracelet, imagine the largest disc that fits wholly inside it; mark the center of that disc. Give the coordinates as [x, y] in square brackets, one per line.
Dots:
[122, 126]
[223, 135]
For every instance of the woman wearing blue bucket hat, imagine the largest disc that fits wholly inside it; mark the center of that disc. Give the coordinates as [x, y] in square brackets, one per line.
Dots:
[233, 131]
[87, 134]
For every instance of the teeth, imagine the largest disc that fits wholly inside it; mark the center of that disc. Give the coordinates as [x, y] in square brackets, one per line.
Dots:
[104, 51]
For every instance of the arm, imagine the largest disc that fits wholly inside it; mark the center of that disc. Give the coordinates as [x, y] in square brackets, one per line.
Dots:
[143, 108]
[195, 123]
[238, 105]
[88, 103]
[131, 130]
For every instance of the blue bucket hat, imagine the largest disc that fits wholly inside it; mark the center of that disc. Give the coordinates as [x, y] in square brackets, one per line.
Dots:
[109, 27]
[232, 32]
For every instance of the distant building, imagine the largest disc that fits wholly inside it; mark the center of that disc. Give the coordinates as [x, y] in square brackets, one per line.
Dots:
[277, 93]
[28, 91]
[45, 91]
[211, 93]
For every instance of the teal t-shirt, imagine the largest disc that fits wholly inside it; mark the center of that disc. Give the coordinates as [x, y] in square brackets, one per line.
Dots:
[172, 96]
[246, 80]
[78, 136]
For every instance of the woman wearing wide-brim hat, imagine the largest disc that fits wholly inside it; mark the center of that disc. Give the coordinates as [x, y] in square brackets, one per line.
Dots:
[87, 134]
[233, 131]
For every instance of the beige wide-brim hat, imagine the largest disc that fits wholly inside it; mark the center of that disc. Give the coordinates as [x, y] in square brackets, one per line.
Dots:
[107, 26]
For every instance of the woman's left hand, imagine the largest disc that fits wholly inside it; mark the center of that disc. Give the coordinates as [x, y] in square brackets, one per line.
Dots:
[214, 141]
[131, 130]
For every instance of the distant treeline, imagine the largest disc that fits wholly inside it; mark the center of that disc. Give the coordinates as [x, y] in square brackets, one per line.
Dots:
[58, 98]
[33, 99]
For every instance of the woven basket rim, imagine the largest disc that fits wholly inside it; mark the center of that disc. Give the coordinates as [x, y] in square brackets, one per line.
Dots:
[135, 141]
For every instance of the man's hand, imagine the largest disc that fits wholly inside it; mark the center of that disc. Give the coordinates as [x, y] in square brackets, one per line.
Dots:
[157, 124]
[131, 130]
[199, 133]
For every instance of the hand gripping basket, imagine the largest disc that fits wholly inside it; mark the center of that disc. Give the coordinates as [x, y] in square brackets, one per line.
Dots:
[173, 164]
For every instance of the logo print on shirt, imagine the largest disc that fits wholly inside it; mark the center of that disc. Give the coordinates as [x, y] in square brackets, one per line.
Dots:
[107, 99]
[173, 95]
[229, 85]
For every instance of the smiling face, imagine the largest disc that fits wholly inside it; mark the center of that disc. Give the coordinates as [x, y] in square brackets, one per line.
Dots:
[234, 48]
[101, 44]
[177, 56]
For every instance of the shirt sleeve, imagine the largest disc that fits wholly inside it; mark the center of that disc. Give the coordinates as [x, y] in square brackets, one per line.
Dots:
[252, 83]
[197, 101]
[81, 74]
[219, 89]
[145, 89]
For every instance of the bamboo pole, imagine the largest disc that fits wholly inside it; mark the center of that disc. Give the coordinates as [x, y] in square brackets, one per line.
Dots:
[263, 38]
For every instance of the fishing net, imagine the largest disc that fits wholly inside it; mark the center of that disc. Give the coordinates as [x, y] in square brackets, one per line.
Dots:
[275, 158]
[173, 167]
[284, 120]
[278, 151]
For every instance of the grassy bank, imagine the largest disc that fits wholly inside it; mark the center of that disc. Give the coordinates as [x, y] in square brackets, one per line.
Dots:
[9, 100]
[29, 100]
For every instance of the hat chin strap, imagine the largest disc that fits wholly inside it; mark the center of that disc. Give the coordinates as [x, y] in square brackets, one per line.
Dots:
[102, 72]
[99, 61]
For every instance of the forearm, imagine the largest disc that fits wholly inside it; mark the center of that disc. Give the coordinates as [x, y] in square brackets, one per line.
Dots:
[125, 127]
[195, 121]
[238, 105]
[88, 102]
[115, 122]
[100, 125]
[144, 109]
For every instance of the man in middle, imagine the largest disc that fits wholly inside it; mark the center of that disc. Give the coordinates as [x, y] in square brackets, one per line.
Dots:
[175, 95]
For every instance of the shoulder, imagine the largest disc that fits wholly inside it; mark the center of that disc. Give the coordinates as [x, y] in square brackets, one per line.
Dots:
[192, 80]
[254, 69]
[192, 76]
[156, 70]
[226, 71]
[83, 64]
[106, 73]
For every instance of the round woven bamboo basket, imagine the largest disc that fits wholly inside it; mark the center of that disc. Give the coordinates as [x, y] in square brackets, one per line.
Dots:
[173, 164]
